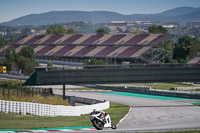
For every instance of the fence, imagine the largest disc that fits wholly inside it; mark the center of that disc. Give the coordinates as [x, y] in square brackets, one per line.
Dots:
[124, 88]
[25, 91]
[49, 110]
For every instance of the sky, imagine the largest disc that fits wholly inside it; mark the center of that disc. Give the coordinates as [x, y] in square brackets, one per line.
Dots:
[11, 9]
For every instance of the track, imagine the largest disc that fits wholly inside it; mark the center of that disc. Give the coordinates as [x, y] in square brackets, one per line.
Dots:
[151, 114]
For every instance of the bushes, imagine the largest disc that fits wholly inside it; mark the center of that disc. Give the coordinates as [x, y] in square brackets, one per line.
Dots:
[24, 60]
[10, 83]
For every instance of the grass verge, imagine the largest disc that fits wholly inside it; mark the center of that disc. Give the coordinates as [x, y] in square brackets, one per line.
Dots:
[53, 100]
[196, 104]
[12, 121]
[160, 86]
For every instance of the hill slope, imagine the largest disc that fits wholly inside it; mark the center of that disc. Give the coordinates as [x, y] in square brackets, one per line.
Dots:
[181, 15]
[179, 11]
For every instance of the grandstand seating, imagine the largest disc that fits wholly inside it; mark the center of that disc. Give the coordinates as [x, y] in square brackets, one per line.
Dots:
[103, 39]
[125, 39]
[97, 45]
[127, 53]
[33, 46]
[74, 50]
[19, 38]
[35, 39]
[105, 51]
[136, 39]
[71, 39]
[44, 50]
[54, 50]
[158, 40]
[118, 51]
[148, 39]
[114, 39]
[40, 41]
[84, 51]
[95, 51]
[140, 52]
[64, 50]
[17, 50]
[24, 40]
[65, 37]
[92, 39]
[5, 47]
[52, 39]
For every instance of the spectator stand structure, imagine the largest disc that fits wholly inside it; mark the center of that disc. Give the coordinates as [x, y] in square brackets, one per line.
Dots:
[143, 48]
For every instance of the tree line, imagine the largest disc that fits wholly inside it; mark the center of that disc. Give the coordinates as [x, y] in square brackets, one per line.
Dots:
[24, 60]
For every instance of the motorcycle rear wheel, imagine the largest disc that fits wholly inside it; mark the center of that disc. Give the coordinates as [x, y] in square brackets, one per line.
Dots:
[98, 124]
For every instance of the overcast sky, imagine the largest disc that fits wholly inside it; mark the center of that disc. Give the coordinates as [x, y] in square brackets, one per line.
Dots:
[11, 9]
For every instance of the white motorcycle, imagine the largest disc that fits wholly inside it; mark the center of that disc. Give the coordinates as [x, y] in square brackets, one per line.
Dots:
[101, 119]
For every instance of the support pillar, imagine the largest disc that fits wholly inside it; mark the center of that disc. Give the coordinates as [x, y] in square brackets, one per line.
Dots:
[63, 91]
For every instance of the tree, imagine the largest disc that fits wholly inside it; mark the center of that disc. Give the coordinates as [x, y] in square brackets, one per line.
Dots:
[71, 31]
[186, 48]
[26, 65]
[136, 32]
[49, 64]
[157, 29]
[94, 61]
[24, 60]
[101, 31]
[27, 52]
[56, 30]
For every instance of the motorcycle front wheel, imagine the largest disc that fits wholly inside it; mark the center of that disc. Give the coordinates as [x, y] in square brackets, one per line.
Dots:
[113, 126]
[98, 124]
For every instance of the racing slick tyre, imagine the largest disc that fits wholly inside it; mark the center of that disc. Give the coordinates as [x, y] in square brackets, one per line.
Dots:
[98, 124]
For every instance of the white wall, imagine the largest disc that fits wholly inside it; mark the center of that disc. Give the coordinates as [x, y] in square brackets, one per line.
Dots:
[49, 110]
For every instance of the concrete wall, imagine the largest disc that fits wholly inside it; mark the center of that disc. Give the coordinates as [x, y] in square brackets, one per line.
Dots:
[49, 110]
[116, 75]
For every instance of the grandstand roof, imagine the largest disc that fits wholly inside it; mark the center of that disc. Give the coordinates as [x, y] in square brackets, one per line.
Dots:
[88, 45]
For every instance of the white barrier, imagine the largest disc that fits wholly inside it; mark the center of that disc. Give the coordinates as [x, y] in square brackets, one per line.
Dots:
[185, 88]
[49, 110]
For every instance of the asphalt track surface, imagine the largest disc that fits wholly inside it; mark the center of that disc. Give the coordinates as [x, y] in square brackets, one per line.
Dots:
[150, 114]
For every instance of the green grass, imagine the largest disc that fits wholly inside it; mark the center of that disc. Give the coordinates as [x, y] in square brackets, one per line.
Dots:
[161, 86]
[12, 121]
[53, 100]
[196, 104]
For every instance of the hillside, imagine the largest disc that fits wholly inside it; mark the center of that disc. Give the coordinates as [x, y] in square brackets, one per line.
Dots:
[179, 11]
[181, 15]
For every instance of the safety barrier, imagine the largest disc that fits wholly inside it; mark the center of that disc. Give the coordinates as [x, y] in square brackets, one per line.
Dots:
[37, 109]
[185, 88]
[116, 88]
[190, 95]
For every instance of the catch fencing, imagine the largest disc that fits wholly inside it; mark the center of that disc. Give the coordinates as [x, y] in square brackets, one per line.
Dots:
[27, 108]
[25, 91]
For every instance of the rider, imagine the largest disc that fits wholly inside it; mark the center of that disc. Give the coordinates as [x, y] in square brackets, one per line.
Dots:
[102, 112]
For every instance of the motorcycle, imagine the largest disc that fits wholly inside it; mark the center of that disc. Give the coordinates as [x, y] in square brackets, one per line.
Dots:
[101, 120]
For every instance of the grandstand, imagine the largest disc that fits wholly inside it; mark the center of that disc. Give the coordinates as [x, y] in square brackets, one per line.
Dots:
[121, 47]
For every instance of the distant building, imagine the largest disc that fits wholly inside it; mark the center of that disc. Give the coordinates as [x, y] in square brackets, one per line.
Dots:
[170, 26]
[194, 24]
